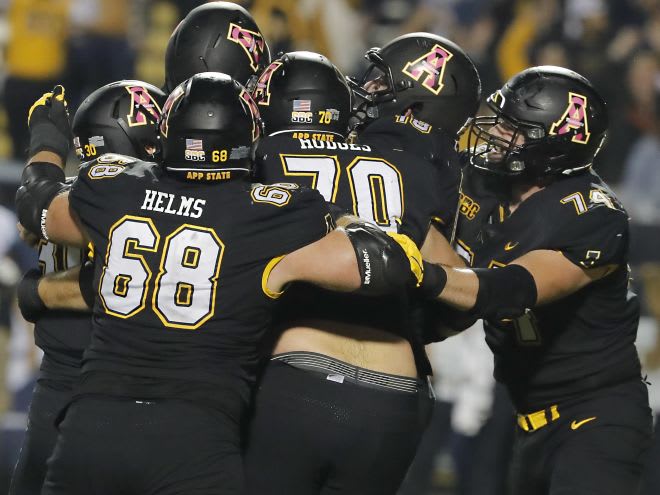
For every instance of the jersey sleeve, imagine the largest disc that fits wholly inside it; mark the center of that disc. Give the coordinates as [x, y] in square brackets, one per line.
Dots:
[306, 218]
[99, 187]
[598, 237]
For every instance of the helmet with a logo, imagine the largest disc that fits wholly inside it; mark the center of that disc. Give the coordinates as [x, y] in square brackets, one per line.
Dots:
[216, 37]
[209, 128]
[547, 120]
[427, 74]
[303, 91]
[120, 117]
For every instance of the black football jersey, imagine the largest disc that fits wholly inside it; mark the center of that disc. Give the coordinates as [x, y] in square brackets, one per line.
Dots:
[62, 335]
[583, 341]
[180, 266]
[397, 190]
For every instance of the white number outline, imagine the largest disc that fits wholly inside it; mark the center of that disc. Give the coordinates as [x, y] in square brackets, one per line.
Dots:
[135, 256]
[214, 279]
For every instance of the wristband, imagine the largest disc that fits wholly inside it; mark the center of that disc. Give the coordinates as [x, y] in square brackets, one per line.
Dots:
[29, 302]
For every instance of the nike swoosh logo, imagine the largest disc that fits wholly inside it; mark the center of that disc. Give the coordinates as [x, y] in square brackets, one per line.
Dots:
[576, 424]
[510, 245]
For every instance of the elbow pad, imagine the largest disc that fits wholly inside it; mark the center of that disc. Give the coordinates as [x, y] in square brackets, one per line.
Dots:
[504, 293]
[40, 183]
[387, 262]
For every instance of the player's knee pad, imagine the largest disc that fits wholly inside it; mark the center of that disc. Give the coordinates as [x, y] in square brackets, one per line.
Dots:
[386, 262]
[504, 293]
[40, 183]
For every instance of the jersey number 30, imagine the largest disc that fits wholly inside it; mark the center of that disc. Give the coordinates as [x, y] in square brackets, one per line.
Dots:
[183, 290]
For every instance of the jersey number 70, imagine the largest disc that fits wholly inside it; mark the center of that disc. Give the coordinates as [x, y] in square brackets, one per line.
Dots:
[375, 184]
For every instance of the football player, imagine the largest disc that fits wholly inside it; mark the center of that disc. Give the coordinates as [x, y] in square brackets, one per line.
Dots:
[548, 243]
[187, 265]
[120, 117]
[341, 404]
[417, 94]
[216, 37]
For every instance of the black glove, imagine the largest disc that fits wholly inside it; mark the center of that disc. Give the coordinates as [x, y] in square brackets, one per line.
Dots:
[31, 306]
[387, 261]
[49, 125]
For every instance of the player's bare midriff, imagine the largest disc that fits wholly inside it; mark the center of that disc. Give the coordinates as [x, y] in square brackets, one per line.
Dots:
[360, 346]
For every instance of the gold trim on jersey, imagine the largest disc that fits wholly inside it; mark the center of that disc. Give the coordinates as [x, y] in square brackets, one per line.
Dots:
[264, 278]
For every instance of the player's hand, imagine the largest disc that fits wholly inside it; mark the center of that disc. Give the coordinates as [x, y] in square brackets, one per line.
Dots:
[48, 120]
[28, 237]
[31, 306]
[387, 262]
[414, 257]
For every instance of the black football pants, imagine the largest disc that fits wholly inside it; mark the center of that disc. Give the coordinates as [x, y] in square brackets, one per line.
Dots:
[310, 435]
[577, 455]
[48, 399]
[111, 446]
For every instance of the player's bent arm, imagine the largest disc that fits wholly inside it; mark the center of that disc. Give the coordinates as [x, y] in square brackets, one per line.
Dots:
[436, 249]
[62, 225]
[359, 257]
[61, 290]
[536, 278]
[557, 277]
[329, 262]
[42, 201]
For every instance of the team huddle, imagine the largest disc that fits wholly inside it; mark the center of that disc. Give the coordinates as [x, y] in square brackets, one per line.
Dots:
[236, 289]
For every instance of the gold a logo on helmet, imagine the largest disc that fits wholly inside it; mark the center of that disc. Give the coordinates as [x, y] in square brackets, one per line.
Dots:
[252, 42]
[431, 64]
[574, 120]
[261, 93]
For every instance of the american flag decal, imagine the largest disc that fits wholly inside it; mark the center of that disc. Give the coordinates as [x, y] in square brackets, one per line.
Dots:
[194, 144]
[302, 105]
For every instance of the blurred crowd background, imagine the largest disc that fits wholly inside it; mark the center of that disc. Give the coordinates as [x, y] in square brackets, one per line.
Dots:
[615, 43]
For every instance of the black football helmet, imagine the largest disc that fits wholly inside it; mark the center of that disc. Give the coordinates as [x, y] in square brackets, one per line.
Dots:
[120, 117]
[303, 91]
[216, 37]
[427, 74]
[210, 123]
[550, 121]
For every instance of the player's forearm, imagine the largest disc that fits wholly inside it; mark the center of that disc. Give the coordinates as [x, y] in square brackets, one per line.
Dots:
[61, 290]
[501, 293]
[461, 288]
